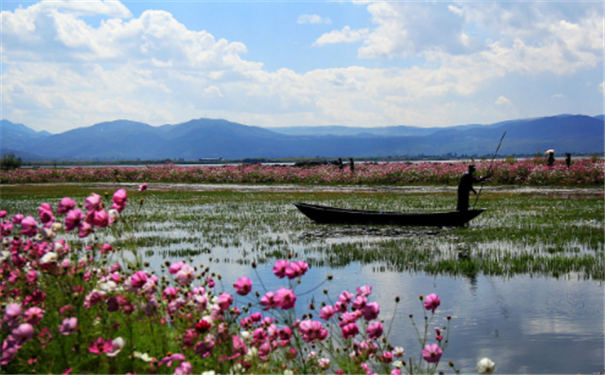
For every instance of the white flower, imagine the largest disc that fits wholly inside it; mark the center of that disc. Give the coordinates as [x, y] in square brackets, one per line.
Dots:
[118, 344]
[288, 372]
[244, 334]
[311, 355]
[58, 247]
[107, 287]
[486, 366]
[142, 356]
[252, 352]
[4, 256]
[208, 373]
[398, 352]
[398, 364]
[49, 257]
[236, 369]
[47, 233]
[56, 227]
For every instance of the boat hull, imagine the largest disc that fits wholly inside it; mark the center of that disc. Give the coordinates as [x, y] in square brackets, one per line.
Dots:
[333, 215]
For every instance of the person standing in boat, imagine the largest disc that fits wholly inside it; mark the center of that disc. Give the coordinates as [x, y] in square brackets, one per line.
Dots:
[466, 186]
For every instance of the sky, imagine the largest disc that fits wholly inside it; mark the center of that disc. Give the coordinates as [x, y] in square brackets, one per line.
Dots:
[70, 64]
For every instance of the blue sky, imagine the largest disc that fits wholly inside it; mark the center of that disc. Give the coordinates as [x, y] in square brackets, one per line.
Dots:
[68, 64]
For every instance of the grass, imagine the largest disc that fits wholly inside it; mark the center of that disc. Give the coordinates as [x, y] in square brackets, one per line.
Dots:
[520, 233]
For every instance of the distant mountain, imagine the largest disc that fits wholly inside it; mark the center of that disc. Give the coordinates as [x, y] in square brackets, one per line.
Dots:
[208, 138]
[18, 136]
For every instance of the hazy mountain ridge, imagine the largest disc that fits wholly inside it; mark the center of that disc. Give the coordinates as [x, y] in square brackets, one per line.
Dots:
[213, 138]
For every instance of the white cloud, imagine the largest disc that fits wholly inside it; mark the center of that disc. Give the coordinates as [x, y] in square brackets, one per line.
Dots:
[558, 96]
[346, 35]
[313, 18]
[503, 101]
[602, 88]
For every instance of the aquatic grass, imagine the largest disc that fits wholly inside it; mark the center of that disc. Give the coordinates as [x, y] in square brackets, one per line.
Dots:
[520, 233]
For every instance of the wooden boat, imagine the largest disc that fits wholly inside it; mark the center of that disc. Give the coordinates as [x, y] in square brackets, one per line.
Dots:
[333, 215]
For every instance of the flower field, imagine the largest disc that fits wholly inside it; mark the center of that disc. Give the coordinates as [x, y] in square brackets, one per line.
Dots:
[90, 306]
[530, 172]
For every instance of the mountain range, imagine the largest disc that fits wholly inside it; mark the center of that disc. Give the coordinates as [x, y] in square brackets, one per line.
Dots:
[214, 138]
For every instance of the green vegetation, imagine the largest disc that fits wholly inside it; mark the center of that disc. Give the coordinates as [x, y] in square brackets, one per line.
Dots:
[521, 233]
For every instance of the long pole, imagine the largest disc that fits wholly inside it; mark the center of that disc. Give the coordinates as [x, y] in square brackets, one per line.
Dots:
[489, 169]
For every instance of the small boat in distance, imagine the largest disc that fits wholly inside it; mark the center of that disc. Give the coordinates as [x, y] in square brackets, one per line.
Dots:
[333, 215]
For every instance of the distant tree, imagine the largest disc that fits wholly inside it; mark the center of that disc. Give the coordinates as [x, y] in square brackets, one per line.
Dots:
[9, 161]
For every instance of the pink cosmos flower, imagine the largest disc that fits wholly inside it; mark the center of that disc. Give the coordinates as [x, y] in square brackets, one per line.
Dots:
[33, 315]
[175, 267]
[431, 302]
[174, 357]
[312, 330]
[85, 229]
[100, 346]
[29, 227]
[45, 213]
[17, 219]
[73, 220]
[268, 300]
[387, 357]
[350, 330]
[204, 348]
[346, 297]
[119, 200]
[12, 312]
[327, 312]
[65, 205]
[371, 311]
[185, 275]
[68, 326]
[432, 353]
[279, 269]
[170, 293]
[138, 279]
[143, 187]
[239, 347]
[360, 302]
[375, 330]
[224, 301]
[243, 286]
[184, 368]
[93, 202]
[365, 290]
[293, 270]
[99, 218]
[23, 333]
[395, 371]
[285, 299]
[2, 214]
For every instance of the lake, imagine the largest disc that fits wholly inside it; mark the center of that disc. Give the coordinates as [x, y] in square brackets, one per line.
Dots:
[523, 283]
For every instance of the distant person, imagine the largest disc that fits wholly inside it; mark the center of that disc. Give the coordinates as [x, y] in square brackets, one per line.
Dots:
[551, 159]
[568, 160]
[338, 163]
[352, 165]
[466, 186]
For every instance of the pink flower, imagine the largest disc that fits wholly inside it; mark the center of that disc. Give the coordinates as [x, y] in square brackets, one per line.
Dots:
[68, 326]
[243, 286]
[33, 315]
[93, 202]
[29, 227]
[100, 346]
[12, 312]
[365, 290]
[17, 219]
[143, 187]
[239, 347]
[431, 302]
[183, 369]
[279, 269]
[371, 311]
[170, 293]
[174, 357]
[99, 218]
[204, 348]
[346, 297]
[23, 333]
[296, 269]
[2, 214]
[375, 330]
[395, 371]
[85, 229]
[138, 279]
[65, 205]
[175, 267]
[185, 275]
[387, 357]
[312, 330]
[268, 300]
[360, 302]
[285, 299]
[119, 200]
[432, 353]
[224, 301]
[350, 330]
[327, 312]
[73, 220]
[45, 213]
